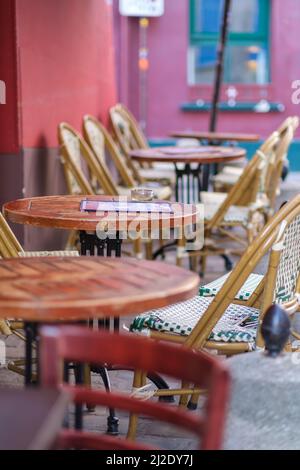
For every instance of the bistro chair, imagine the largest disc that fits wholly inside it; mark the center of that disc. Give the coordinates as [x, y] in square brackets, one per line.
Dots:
[10, 247]
[130, 136]
[76, 152]
[229, 175]
[100, 141]
[81, 345]
[250, 202]
[221, 322]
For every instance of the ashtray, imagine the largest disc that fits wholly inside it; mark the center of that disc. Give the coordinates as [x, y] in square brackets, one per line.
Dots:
[142, 194]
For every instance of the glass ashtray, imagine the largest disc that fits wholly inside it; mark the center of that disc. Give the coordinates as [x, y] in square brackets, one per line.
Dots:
[142, 194]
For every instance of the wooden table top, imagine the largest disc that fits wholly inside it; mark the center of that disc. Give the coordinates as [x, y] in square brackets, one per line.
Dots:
[216, 136]
[64, 212]
[77, 288]
[30, 419]
[200, 155]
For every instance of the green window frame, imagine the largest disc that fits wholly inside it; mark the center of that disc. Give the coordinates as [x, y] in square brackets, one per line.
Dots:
[260, 37]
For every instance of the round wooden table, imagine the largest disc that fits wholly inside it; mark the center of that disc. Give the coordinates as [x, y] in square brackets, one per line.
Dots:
[76, 289]
[188, 181]
[55, 289]
[66, 212]
[216, 138]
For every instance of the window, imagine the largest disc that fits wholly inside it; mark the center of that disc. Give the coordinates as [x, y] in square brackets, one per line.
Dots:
[246, 58]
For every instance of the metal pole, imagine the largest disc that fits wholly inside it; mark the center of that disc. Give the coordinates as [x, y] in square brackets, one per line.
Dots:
[220, 66]
[143, 70]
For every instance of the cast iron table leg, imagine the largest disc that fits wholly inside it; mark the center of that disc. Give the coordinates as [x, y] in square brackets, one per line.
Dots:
[92, 245]
[30, 334]
[187, 191]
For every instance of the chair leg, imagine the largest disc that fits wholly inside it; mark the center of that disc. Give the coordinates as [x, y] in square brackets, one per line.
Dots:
[149, 249]
[112, 420]
[193, 402]
[138, 249]
[180, 251]
[87, 380]
[72, 240]
[183, 401]
[133, 418]
[203, 265]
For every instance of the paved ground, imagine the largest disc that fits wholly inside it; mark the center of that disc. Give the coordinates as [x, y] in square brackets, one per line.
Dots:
[162, 436]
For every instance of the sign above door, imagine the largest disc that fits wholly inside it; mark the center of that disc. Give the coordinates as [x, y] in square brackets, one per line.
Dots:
[145, 8]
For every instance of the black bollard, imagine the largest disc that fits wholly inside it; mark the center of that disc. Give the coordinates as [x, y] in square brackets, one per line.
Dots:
[275, 329]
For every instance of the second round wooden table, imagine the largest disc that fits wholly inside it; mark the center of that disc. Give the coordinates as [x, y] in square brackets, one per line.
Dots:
[189, 183]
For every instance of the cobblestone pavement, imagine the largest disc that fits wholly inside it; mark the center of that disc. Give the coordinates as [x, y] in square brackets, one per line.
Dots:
[154, 433]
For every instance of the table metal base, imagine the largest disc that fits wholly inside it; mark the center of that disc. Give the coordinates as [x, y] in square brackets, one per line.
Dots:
[94, 246]
[188, 184]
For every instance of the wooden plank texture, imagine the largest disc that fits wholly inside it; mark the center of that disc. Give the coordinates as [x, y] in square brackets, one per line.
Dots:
[216, 136]
[64, 212]
[66, 289]
[200, 155]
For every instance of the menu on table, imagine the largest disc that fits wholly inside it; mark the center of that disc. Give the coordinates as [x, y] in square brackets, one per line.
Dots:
[89, 205]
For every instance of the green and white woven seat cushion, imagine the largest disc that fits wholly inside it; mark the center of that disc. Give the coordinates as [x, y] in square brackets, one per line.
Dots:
[244, 293]
[238, 323]
[235, 214]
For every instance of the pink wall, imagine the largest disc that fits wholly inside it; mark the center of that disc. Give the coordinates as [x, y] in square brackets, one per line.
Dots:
[167, 80]
[66, 65]
[9, 131]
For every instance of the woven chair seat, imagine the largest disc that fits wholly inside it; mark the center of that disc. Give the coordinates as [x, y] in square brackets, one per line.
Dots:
[234, 215]
[32, 254]
[232, 170]
[157, 173]
[123, 191]
[238, 323]
[227, 179]
[249, 287]
[207, 197]
[160, 192]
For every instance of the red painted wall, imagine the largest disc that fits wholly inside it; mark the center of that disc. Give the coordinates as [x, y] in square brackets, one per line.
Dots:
[167, 79]
[66, 65]
[9, 135]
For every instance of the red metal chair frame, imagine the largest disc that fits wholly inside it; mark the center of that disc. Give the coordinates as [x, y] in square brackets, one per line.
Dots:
[81, 345]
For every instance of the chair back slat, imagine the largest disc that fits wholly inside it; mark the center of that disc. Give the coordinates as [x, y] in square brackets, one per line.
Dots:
[75, 150]
[136, 130]
[9, 244]
[278, 271]
[96, 135]
[71, 156]
[77, 344]
[126, 140]
[288, 269]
